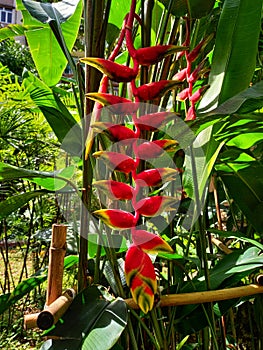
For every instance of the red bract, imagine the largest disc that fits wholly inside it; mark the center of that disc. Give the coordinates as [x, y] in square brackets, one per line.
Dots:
[153, 90]
[183, 95]
[153, 206]
[117, 104]
[155, 177]
[150, 242]
[115, 218]
[153, 121]
[151, 55]
[114, 71]
[117, 161]
[152, 149]
[115, 132]
[180, 76]
[192, 56]
[115, 189]
[198, 94]
[195, 74]
[140, 277]
[191, 114]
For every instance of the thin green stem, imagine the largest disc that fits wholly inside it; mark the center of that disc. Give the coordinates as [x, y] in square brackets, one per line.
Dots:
[132, 335]
[202, 234]
[157, 329]
[147, 330]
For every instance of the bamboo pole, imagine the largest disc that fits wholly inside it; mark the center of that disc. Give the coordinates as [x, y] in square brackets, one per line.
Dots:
[30, 320]
[203, 297]
[56, 263]
[50, 316]
[221, 245]
[56, 310]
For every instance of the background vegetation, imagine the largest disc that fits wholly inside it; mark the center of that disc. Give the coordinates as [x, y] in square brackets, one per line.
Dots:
[44, 172]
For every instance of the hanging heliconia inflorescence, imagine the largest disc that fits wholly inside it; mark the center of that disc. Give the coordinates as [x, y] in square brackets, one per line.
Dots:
[139, 269]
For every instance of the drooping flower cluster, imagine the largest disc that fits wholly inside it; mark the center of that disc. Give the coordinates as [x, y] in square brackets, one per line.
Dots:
[130, 158]
[191, 76]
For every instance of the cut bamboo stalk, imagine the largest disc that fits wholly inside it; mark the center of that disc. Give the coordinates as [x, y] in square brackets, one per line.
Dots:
[30, 321]
[56, 263]
[221, 245]
[203, 297]
[50, 316]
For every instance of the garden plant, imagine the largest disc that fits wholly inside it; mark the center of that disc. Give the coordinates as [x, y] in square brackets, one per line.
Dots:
[150, 152]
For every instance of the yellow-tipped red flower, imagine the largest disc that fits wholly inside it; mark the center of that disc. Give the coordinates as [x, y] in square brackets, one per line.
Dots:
[115, 218]
[115, 190]
[115, 132]
[154, 206]
[150, 242]
[116, 161]
[153, 90]
[154, 54]
[153, 149]
[114, 71]
[116, 104]
[140, 277]
[155, 177]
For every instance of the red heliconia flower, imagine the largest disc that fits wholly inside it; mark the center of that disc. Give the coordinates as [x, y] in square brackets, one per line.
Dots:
[155, 177]
[196, 72]
[183, 95]
[140, 277]
[192, 56]
[114, 71]
[116, 104]
[115, 132]
[149, 242]
[153, 90]
[154, 121]
[115, 190]
[191, 114]
[153, 149]
[117, 161]
[198, 94]
[147, 56]
[116, 219]
[154, 206]
[181, 75]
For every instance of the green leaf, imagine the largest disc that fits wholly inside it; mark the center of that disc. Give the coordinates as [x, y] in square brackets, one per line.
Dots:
[242, 131]
[23, 288]
[246, 101]
[204, 155]
[89, 315]
[52, 181]
[70, 260]
[244, 184]
[108, 327]
[14, 30]
[168, 256]
[46, 51]
[46, 12]
[57, 115]
[13, 203]
[234, 58]
[198, 8]
[118, 11]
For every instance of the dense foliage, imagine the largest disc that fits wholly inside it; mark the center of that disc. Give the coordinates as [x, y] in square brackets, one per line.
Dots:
[151, 152]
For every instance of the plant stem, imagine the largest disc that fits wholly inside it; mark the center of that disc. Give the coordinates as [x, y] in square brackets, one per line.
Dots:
[149, 333]
[157, 330]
